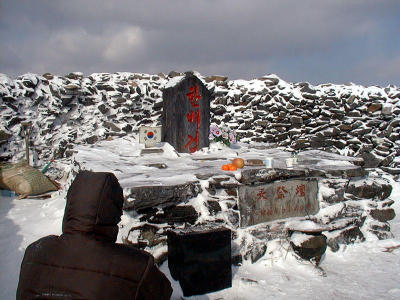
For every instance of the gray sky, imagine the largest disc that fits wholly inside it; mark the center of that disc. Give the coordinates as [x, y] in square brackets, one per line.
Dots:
[318, 41]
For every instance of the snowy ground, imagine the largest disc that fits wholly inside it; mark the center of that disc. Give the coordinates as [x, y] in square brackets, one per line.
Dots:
[360, 271]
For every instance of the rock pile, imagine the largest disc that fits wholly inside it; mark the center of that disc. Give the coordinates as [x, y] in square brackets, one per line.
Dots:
[343, 218]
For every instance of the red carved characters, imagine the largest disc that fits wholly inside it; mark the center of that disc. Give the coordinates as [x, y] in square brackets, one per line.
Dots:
[281, 191]
[194, 117]
[301, 190]
[194, 96]
[261, 195]
[195, 140]
[292, 200]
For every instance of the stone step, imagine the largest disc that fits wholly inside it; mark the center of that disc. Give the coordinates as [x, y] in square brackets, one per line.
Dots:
[142, 197]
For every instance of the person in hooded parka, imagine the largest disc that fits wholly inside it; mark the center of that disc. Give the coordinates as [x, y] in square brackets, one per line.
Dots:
[85, 262]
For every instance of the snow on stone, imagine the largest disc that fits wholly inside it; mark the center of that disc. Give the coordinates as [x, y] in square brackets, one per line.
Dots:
[298, 238]
[302, 225]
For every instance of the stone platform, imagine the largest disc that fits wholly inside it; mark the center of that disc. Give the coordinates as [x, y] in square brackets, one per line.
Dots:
[168, 190]
[165, 177]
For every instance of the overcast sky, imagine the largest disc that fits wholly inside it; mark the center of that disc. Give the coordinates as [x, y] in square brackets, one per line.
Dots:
[318, 41]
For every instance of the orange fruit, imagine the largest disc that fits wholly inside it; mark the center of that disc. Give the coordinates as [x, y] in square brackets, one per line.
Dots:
[225, 167]
[232, 167]
[238, 162]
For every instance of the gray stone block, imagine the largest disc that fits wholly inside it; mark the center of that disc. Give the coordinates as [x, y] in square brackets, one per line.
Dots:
[278, 200]
[151, 196]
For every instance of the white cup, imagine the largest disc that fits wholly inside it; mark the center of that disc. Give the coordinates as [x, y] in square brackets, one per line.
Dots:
[268, 162]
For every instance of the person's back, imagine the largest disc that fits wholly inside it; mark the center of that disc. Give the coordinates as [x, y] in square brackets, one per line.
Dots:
[84, 262]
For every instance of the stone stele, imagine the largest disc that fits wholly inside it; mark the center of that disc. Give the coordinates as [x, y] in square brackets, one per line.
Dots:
[277, 200]
[186, 114]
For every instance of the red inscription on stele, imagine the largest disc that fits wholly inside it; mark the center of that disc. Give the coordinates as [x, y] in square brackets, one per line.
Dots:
[301, 190]
[262, 195]
[194, 117]
[194, 96]
[281, 191]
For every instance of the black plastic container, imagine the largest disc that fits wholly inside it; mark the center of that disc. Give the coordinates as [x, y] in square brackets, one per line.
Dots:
[200, 259]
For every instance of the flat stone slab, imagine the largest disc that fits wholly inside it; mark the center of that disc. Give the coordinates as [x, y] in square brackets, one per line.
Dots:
[306, 226]
[264, 175]
[147, 182]
[393, 171]
[151, 151]
[123, 157]
[277, 200]
[267, 175]
[142, 197]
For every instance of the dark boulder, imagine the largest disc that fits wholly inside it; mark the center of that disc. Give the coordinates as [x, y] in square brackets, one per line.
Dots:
[369, 189]
[383, 215]
[308, 246]
[345, 236]
[175, 214]
[213, 207]
[145, 236]
[4, 136]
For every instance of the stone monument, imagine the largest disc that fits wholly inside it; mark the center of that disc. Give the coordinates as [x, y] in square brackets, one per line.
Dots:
[277, 200]
[186, 113]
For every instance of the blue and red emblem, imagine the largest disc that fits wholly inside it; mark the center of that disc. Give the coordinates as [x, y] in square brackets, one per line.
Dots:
[150, 134]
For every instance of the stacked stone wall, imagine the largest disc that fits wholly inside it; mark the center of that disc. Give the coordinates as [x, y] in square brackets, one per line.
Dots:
[67, 110]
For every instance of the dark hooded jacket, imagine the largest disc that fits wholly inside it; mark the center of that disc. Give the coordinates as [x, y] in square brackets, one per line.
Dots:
[85, 262]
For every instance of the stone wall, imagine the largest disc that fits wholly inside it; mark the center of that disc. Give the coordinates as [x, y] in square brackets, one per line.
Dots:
[67, 110]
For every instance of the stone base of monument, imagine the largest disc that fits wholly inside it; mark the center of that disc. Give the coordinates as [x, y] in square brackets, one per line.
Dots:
[200, 259]
[151, 151]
